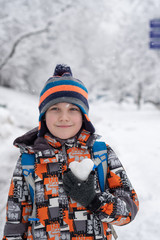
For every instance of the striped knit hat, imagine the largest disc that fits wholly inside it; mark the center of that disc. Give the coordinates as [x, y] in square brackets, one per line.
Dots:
[62, 87]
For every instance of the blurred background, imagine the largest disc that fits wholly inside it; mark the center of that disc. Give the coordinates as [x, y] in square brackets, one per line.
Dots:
[105, 42]
[107, 45]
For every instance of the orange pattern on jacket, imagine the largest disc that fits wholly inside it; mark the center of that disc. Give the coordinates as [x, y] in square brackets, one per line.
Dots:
[42, 214]
[82, 238]
[11, 189]
[107, 233]
[107, 208]
[53, 230]
[51, 186]
[75, 154]
[68, 221]
[26, 213]
[30, 237]
[40, 169]
[114, 181]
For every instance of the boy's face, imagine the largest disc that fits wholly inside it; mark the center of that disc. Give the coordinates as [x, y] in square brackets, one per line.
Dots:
[63, 120]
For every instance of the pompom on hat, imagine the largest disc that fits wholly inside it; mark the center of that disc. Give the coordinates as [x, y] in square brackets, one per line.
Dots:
[62, 87]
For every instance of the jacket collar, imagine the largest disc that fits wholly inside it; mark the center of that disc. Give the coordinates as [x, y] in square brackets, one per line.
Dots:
[29, 142]
[80, 139]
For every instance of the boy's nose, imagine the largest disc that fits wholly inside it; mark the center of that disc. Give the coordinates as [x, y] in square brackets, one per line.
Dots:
[63, 116]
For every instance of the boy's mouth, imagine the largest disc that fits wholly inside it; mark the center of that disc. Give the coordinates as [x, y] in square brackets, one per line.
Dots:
[64, 126]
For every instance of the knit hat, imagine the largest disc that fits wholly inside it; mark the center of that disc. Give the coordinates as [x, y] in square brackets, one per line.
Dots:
[62, 87]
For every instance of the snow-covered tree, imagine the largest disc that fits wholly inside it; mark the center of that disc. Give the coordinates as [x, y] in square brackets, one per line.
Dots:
[105, 42]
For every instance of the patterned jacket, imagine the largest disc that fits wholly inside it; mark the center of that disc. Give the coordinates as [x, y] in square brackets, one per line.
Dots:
[60, 217]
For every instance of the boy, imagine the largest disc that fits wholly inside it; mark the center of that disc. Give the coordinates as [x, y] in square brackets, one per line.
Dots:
[65, 207]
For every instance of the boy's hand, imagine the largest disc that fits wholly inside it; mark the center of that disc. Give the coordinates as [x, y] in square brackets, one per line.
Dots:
[81, 191]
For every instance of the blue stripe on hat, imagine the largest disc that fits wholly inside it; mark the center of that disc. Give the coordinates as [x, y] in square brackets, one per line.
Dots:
[62, 82]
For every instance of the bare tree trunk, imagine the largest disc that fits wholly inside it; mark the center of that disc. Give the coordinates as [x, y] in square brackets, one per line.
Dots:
[139, 95]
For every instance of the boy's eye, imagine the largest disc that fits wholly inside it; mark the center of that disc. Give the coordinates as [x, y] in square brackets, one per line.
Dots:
[74, 109]
[54, 108]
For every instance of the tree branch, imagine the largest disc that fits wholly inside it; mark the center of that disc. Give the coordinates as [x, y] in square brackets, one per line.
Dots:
[27, 35]
[18, 41]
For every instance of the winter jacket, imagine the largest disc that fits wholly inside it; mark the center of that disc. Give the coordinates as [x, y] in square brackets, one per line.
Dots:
[60, 217]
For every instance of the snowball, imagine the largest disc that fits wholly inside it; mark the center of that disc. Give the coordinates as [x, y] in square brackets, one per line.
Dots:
[82, 169]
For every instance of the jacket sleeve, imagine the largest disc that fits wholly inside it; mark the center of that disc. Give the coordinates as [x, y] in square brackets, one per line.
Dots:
[119, 203]
[19, 206]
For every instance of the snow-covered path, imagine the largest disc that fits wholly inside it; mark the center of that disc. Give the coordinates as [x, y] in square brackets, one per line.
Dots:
[133, 134]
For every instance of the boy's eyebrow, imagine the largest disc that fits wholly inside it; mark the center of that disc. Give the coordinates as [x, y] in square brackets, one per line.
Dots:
[55, 105]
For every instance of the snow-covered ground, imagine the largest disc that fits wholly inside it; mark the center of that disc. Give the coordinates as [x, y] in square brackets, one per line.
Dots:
[133, 134]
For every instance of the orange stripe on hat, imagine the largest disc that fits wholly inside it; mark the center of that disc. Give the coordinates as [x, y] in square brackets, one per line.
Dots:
[63, 88]
[87, 117]
[39, 125]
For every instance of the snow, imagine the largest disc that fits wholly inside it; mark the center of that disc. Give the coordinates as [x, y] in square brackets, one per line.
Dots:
[133, 134]
[82, 169]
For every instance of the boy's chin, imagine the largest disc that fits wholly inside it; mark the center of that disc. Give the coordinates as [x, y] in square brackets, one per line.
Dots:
[64, 136]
